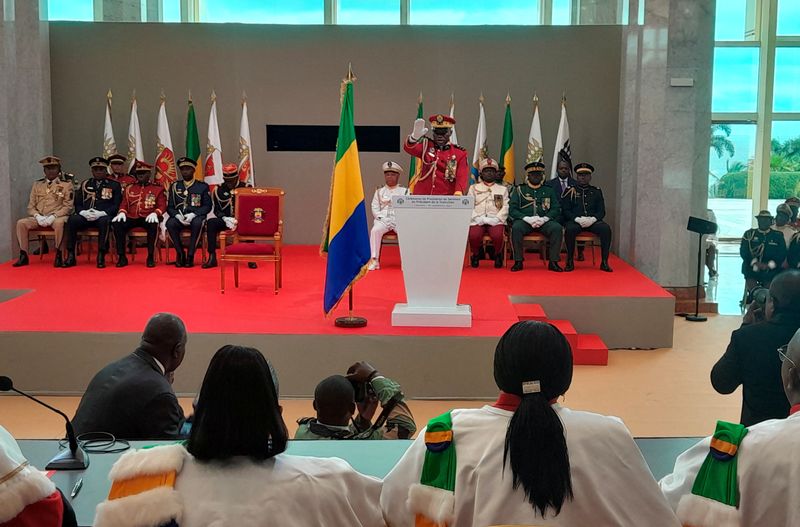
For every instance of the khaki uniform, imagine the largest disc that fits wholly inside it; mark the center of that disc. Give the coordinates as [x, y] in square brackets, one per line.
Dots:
[47, 198]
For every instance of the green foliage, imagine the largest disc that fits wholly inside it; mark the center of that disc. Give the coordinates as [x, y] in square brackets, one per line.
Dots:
[784, 167]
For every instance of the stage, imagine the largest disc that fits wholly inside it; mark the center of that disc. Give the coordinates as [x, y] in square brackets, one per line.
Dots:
[58, 326]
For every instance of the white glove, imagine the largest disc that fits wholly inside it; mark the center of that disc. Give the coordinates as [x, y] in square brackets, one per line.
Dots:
[179, 216]
[152, 218]
[86, 214]
[419, 129]
[99, 214]
[119, 217]
[543, 220]
[591, 220]
[528, 219]
[230, 222]
[189, 217]
[40, 220]
[49, 220]
[492, 221]
[480, 220]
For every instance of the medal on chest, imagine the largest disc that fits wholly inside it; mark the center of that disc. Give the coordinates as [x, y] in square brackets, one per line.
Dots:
[195, 200]
[149, 200]
[106, 193]
[450, 169]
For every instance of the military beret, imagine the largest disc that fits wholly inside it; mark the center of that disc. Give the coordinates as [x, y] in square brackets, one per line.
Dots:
[98, 162]
[49, 161]
[187, 162]
[536, 166]
[584, 168]
[391, 166]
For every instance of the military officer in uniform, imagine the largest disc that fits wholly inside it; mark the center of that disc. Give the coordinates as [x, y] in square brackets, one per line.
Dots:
[96, 202]
[49, 205]
[116, 163]
[584, 210]
[763, 251]
[383, 211]
[534, 206]
[489, 214]
[188, 204]
[143, 204]
[222, 202]
[445, 170]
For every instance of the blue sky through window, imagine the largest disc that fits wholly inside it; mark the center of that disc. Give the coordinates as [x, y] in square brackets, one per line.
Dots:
[730, 20]
[474, 12]
[81, 10]
[263, 11]
[384, 12]
[789, 17]
[787, 80]
[735, 86]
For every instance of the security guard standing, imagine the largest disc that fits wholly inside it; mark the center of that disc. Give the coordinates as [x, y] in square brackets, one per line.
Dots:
[534, 206]
[222, 202]
[584, 210]
[188, 204]
[50, 204]
[763, 251]
[445, 170]
[143, 204]
[96, 202]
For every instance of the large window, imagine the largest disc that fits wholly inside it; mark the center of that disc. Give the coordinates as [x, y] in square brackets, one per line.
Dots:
[787, 79]
[474, 12]
[366, 12]
[730, 176]
[735, 87]
[78, 10]
[262, 11]
[788, 17]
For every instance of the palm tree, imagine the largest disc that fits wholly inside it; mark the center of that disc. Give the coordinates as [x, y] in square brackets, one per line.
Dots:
[720, 142]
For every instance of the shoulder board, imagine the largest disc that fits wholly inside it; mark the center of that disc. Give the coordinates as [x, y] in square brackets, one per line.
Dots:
[305, 420]
[41, 179]
[459, 147]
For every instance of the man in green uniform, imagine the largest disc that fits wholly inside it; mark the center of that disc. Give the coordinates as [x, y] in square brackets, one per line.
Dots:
[763, 251]
[534, 207]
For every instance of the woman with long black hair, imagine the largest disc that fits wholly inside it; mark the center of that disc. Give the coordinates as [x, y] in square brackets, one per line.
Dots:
[526, 459]
[233, 469]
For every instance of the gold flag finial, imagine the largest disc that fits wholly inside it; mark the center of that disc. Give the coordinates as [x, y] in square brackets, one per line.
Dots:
[108, 95]
[244, 96]
[213, 96]
[452, 99]
[163, 96]
[535, 100]
[508, 98]
[419, 99]
[133, 97]
[481, 99]
[190, 96]
[564, 97]
[350, 75]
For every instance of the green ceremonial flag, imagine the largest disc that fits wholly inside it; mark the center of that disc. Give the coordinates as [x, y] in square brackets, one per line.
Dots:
[507, 147]
[193, 151]
[414, 168]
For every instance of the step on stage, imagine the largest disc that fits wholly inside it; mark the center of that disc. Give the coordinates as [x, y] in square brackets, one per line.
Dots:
[59, 326]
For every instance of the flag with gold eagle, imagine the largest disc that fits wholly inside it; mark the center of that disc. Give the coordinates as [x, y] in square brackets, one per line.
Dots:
[166, 170]
[345, 235]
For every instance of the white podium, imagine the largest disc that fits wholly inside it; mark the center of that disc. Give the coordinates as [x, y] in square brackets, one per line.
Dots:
[432, 233]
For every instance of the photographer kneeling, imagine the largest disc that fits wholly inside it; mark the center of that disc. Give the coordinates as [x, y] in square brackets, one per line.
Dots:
[337, 397]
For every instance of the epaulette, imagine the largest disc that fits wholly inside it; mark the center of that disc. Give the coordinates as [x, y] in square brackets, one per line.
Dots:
[304, 420]
[458, 147]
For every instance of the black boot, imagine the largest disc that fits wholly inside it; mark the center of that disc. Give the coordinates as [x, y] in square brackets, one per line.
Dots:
[101, 260]
[151, 261]
[498, 261]
[473, 260]
[580, 253]
[189, 260]
[42, 249]
[122, 260]
[252, 265]
[517, 266]
[180, 258]
[211, 262]
[70, 261]
[570, 265]
[605, 267]
[59, 261]
[23, 259]
[553, 266]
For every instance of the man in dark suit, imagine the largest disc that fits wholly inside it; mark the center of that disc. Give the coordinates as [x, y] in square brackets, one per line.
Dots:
[133, 398]
[752, 359]
[562, 185]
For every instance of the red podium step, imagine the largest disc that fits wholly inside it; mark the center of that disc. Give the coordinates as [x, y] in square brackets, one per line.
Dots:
[566, 327]
[591, 350]
[530, 312]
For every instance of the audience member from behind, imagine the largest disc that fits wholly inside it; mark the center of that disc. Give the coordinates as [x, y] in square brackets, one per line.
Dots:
[133, 398]
[759, 473]
[233, 470]
[782, 217]
[27, 496]
[337, 397]
[751, 361]
[525, 459]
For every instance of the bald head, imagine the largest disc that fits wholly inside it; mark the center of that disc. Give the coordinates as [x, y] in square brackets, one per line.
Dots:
[784, 292]
[164, 338]
[334, 401]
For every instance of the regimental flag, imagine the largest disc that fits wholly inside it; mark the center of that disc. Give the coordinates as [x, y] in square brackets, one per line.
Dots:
[415, 167]
[109, 144]
[453, 136]
[562, 140]
[213, 165]
[535, 150]
[481, 150]
[507, 146]
[193, 140]
[135, 147]
[345, 235]
[247, 171]
[166, 171]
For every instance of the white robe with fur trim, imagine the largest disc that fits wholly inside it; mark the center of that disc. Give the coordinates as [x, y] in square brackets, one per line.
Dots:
[768, 471]
[610, 479]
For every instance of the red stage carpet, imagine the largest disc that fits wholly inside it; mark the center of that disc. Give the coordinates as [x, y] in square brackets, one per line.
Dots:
[86, 299]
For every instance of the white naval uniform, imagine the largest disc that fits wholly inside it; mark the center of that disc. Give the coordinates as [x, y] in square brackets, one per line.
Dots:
[610, 479]
[485, 201]
[768, 472]
[383, 212]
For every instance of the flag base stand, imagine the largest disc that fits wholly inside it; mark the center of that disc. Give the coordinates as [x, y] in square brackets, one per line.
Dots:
[350, 321]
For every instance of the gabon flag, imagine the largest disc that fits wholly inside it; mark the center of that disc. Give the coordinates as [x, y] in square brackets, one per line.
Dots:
[507, 146]
[345, 234]
[193, 140]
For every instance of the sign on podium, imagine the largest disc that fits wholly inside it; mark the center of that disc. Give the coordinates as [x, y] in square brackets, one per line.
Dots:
[432, 233]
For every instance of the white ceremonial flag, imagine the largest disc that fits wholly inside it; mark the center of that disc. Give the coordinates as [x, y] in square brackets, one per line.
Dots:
[247, 171]
[535, 151]
[166, 171]
[213, 164]
[135, 147]
[481, 150]
[109, 144]
[562, 140]
[453, 136]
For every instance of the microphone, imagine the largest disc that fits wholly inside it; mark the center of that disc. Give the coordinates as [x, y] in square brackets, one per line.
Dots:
[73, 459]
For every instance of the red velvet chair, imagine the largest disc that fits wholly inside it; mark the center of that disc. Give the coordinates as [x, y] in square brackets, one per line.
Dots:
[259, 232]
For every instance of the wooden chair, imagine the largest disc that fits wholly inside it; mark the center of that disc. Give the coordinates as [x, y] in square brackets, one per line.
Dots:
[390, 238]
[590, 239]
[486, 241]
[534, 237]
[186, 235]
[259, 215]
[137, 234]
[42, 233]
[91, 233]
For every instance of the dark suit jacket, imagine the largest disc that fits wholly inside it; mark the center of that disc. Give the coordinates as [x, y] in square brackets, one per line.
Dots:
[555, 183]
[131, 399]
[751, 360]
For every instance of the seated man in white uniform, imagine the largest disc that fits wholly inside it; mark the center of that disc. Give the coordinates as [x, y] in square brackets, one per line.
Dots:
[382, 210]
[525, 460]
[741, 476]
[490, 213]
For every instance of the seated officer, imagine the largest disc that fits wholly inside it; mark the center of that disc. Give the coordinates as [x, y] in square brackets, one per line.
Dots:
[50, 204]
[188, 204]
[383, 210]
[143, 204]
[335, 401]
[533, 207]
[96, 202]
[489, 214]
[116, 162]
[584, 208]
[222, 202]
[763, 251]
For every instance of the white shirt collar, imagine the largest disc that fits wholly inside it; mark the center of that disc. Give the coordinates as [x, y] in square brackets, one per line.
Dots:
[160, 366]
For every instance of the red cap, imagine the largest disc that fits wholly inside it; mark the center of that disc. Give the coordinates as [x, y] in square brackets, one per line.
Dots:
[441, 121]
